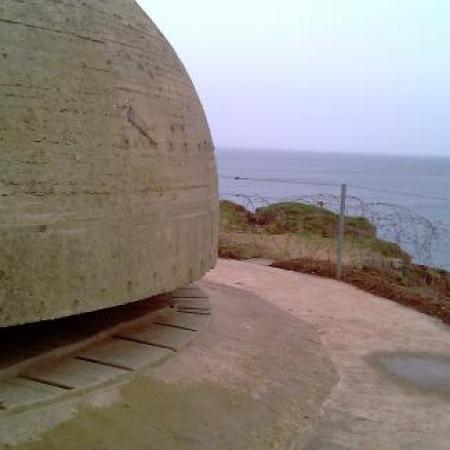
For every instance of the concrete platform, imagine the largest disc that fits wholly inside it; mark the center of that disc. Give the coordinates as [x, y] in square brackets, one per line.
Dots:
[69, 358]
[25, 346]
[254, 378]
[287, 361]
[124, 354]
[25, 392]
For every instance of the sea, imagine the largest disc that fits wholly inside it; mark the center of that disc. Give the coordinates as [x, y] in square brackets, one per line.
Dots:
[407, 197]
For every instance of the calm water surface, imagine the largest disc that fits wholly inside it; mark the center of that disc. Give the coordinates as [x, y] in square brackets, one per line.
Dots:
[425, 176]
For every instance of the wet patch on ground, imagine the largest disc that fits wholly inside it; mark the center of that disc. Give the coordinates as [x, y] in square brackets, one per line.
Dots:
[426, 371]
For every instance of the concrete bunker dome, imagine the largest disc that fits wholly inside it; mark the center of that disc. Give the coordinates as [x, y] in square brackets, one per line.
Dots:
[108, 183]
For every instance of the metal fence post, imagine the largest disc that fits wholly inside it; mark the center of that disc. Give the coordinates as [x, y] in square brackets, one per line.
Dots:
[340, 233]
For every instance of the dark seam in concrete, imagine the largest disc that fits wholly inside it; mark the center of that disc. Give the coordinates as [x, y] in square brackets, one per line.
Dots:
[25, 86]
[47, 382]
[182, 308]
[52, 30]
[104, 363]
[193, 307]
[195, 312]
[141, 341]
[79, 36]
[180, 327]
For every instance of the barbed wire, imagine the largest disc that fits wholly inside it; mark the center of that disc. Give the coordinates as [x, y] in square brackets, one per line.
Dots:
[415, 233]
[313, 183]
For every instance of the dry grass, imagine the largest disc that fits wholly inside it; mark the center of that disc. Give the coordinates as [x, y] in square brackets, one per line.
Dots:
[300, 238]
[295, 230]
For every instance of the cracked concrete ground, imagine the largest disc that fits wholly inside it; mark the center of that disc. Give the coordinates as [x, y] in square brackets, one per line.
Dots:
[289, 361]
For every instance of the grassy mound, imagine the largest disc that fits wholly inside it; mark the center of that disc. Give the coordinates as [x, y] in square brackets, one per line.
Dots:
[290, 217]
[310, 222]
[235, 217]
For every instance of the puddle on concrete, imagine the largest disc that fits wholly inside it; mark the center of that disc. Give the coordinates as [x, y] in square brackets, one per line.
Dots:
[423, 370]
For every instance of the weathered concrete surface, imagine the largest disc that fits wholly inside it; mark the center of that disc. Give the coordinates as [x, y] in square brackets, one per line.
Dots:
[254, 379]
[75, 355]
[260, 378]
[369, 408]
[108, 183]
[43, 342]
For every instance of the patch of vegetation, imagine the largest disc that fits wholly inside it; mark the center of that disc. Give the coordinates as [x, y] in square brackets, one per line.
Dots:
[314, 224]
[235, 217]
[387, 249]
[293, 217]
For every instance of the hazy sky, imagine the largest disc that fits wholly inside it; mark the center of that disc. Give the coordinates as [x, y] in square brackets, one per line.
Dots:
[344, 75]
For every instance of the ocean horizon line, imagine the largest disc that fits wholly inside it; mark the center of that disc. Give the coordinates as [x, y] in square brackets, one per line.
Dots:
[332, 152]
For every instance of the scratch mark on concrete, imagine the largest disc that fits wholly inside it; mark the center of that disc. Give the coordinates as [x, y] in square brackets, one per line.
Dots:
[52, 30]
[131, 117]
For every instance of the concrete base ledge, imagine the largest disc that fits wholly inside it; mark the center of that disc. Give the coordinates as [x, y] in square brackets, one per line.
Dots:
[58, 360]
